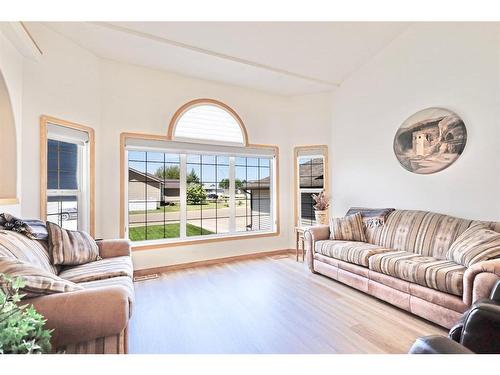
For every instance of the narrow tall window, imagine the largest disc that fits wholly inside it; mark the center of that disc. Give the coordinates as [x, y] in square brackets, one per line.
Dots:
[310, 178]
[66, 159]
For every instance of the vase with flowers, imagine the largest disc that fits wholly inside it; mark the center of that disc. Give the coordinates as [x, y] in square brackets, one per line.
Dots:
[321, 204]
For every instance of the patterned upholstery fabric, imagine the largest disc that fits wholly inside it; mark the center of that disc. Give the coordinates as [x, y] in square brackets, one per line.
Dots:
[123, 281]
[69, 247]
[349, 251]
[443, 275]
[33, 229]
[421, 232]
[348, 228]
[372, 217]
[18, 246]
[99, 270]
[476, 244]
[37, 281]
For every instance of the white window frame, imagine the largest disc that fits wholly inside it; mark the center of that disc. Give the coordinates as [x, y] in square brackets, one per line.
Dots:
[183, 149]
[298, 198]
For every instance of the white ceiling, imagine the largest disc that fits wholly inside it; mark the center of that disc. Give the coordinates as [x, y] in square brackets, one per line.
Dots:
[286, 58]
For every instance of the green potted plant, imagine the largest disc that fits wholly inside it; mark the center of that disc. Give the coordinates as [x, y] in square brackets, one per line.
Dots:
[321, 208]
[21, 326]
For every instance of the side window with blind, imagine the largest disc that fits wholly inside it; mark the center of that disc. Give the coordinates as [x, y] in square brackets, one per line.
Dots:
[67, 183]
[63, 183]
[311, 178]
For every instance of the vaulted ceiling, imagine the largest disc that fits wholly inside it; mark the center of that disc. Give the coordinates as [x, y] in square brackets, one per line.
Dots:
[288, 58]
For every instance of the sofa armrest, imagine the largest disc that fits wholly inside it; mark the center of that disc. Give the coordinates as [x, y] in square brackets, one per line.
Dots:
[311, 235]
[437, 345]
[113, 248]
[480, 279]
[83, 315]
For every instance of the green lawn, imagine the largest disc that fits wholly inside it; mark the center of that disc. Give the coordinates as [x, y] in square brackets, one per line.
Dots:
[176, 208]
[155, 232]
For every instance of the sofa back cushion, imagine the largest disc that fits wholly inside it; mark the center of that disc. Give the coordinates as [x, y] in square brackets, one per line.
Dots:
[348, 228]
[476, 244]
[37, 282]
[71, 247]
[422, 232]
[18, 246]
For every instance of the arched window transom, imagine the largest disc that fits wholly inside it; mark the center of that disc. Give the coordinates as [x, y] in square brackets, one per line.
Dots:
[207, 120]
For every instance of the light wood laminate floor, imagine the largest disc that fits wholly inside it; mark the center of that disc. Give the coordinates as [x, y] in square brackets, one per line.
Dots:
[266, 305]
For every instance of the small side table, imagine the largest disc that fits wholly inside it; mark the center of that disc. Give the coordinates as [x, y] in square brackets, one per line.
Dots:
[299, 242]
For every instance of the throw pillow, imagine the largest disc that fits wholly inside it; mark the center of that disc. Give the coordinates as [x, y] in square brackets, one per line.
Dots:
[71, 247]
[37, 282]
[474, 245]
[348, 228]
[372, 217]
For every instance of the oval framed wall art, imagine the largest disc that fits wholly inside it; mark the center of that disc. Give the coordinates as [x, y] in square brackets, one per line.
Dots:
[430, 140]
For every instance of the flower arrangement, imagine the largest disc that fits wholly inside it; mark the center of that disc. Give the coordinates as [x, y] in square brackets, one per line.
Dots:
[321, 201]
[21, 327]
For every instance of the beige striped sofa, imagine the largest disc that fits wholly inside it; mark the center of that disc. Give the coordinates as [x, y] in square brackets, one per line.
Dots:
[93, 320]
[404, 263]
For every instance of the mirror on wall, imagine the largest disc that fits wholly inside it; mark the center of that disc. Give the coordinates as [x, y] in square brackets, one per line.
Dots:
[8, 159]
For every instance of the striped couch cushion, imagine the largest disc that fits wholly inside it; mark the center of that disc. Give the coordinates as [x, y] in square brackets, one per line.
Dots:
[99, 270]
[443, 275]
[348, 228]
[37, 281]
[423, 232]
[70, 247]
[476, 244]
[349, 251]
[18, 246]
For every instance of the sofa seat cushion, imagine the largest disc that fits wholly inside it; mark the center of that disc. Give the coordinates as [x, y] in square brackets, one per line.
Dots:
[99, 270]
[443, 275]
[349, 251]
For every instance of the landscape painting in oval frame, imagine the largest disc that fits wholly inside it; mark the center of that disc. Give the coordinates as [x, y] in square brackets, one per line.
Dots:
[430, 140]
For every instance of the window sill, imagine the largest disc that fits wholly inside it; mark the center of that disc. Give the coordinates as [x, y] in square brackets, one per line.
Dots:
[8, 201]
[160, 244]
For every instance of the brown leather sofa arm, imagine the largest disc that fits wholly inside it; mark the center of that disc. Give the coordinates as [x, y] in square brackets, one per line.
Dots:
[479, 280]
[437, 345]
[113, 248]
[311, 235]
[84, 315]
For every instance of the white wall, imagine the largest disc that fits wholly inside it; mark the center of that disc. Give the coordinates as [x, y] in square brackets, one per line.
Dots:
[70, 83]
[144, 100]
[11, 67]
[455, 66]
[448, 65]
[63, 83]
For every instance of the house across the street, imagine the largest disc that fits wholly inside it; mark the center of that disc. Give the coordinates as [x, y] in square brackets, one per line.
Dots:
[144, 185]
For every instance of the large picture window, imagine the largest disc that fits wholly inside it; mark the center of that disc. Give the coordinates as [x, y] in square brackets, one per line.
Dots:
[202, 181]
[310, 176]
[66, 174]
[177, 196]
